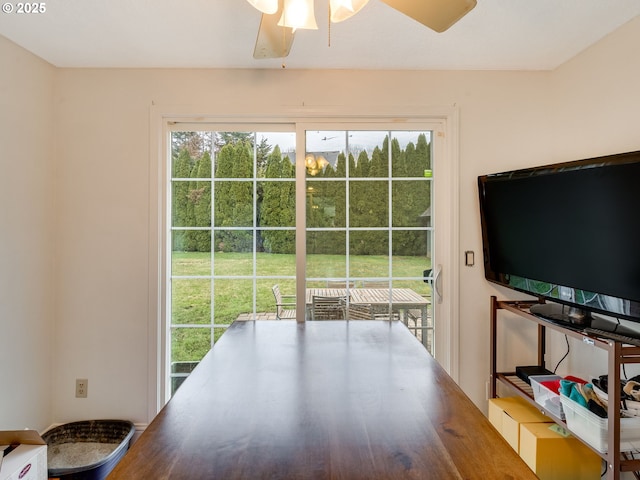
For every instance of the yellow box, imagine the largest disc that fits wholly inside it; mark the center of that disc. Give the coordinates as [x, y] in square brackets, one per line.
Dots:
[497, 407]
[506, 415]
[555, 457]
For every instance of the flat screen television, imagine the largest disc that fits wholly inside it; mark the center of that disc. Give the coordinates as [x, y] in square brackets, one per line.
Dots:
[567, 233]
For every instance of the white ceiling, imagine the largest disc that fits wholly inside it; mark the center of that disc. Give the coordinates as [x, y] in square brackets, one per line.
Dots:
[496, 35]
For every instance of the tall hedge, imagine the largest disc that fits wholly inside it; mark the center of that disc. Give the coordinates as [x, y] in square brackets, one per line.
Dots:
[231, 191]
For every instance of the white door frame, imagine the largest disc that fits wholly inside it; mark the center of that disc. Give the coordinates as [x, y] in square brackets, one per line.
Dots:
[442, 121]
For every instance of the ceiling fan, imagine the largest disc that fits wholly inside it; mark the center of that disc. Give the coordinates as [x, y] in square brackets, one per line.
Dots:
[281, 18]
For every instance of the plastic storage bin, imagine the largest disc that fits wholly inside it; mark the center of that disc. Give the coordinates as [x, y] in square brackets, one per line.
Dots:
[593, 429]
[547, 399]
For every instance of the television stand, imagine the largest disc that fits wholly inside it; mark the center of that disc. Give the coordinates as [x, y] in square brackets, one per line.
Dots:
[618, 354]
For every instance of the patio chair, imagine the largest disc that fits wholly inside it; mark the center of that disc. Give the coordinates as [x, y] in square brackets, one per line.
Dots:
[326, 308]
[385, 313]
[283, 308]
[356, 311]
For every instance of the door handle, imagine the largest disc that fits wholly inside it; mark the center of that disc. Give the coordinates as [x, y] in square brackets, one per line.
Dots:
[437, 283]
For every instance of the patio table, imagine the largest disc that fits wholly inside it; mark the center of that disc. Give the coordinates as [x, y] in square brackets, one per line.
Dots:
[401, 300]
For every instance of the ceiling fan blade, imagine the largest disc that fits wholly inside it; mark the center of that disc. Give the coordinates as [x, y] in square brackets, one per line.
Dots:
[438, 15]
[273, 41]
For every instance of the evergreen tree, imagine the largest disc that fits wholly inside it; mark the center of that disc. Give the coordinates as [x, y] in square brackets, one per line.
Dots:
[278, 205]
[223, 205]
[241, 193]
[423, 150]
[271, 191]
[263, 150]
[341, 166]
[378, 166]
[336, 191]
[190, 236]
[181, 169]
[286, 239]
[411, 199]
[202, 204]
[398, 160]
[363, 165]
[382, 165]
[352, 167]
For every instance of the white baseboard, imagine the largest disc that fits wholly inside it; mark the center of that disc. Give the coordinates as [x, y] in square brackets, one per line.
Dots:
[140, 428]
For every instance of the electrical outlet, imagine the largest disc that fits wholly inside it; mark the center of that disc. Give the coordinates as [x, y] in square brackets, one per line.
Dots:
[82, 386]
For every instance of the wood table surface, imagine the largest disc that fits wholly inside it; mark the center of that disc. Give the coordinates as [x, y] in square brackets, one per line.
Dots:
[320, 400]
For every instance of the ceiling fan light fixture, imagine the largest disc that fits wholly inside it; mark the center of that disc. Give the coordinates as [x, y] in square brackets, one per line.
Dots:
[343, 9]
[298, 14]
[265, 6]
[438, 15]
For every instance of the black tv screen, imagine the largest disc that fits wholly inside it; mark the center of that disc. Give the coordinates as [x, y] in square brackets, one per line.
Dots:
[568, 232]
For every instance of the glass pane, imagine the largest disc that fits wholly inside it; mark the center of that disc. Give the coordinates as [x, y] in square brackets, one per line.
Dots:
[326, 254]
[410, 250]
[411, 243]
[191, 204]
[361, 149]
[326, 204]
[233, 203]
[265, 298]
[368, 204]
[275, 154]
[411, 200]
[189, 344]
[277, 204]
[325, 156]
[232, 264]
[276, 253]
[191, 241]
[190, 263]
[373, 247]
[190, 301]
[234, 241]
[232, 298]
[410, 153]
[186, 149]
[235, 155]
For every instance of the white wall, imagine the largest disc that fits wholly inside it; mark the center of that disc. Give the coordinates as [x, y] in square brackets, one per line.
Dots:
[103, 190]
[600, 105]
[594, 104]
[102, 159]
[26, 240]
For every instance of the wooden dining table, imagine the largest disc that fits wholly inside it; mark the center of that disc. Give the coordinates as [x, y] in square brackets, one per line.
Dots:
[320, 400]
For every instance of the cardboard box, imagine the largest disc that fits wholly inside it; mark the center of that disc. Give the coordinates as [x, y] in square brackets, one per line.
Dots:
[506, 415]
[556, 455]
[497, 407]
[28, 460]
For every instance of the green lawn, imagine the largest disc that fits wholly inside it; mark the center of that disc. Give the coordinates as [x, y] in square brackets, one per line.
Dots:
[192, 299]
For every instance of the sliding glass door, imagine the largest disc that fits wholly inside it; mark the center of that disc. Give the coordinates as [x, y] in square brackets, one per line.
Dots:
[257, 215]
